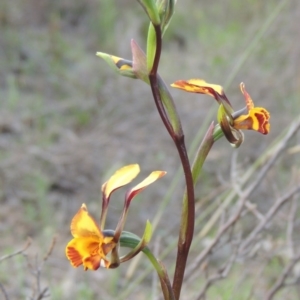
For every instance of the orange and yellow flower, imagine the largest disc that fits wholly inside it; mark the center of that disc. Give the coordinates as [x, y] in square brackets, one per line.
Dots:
[256, 119]
[251, 118]
[91, 244]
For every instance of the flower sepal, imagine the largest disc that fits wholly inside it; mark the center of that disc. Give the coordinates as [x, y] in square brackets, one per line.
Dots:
[120, 65]
[120, 178]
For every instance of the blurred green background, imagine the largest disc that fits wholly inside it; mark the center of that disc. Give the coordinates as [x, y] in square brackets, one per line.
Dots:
[67, 121]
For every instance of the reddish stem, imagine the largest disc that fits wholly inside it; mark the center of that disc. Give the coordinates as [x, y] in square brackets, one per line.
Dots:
[185, 239]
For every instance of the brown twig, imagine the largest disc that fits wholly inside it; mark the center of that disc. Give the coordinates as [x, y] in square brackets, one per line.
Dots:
[198, 261]
[42, 294]
[280, 147]
[4, 291]
[266, 161]
[281, 281]
[28, 243]
[291, 225]
[50, 250]
[244, 194]
[257, 279]
[269, 215]
[221, 274]
[5, 257]
[36, 270]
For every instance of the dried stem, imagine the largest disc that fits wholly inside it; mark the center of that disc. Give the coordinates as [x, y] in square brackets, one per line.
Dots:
[203, 255]
[4, 291]
[36, 269]
[281, 281]
[28, 243]
[222, 273]
[3, 258]
[270, 214]
[291, 225]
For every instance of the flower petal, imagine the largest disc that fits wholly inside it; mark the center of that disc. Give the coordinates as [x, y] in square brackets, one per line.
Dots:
[202, 87]
[257, 119]
[142, 185]
[84, 250]
[121, 177]
[249, 102]
[89, 251]
[198, 86]
[83, 225]
[94, 262]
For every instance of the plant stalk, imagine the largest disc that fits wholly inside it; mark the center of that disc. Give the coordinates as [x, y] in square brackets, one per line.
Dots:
[188, 215]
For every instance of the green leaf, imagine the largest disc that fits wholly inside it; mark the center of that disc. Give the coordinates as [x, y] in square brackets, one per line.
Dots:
[169, 106]
[202, 152]
[165, 11]
[147, 233]
[151, 9]
[151, 47]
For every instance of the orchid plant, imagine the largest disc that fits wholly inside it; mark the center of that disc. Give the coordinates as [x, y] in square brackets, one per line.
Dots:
[95, 246]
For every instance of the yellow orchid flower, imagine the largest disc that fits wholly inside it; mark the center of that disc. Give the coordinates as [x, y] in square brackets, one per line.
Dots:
[257, 118]
[91, 243]
[251, 118]
[89, 246]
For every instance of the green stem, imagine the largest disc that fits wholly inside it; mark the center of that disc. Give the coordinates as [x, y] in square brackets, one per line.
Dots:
[218, 133]
[203, 151]
[130, 240]
[163, 276]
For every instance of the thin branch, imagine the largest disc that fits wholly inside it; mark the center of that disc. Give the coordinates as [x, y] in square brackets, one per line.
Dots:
[278, 150]
[220, 234]
[5, 257]
[251, 207]
[50, 250]
[222, 273]
[290, 226]
[28, 243]
[42, 294]
[245, 194]
[4, 291]
[37, 292]
[270, 214]
[237, 186]
[257, 278]
[266, 160]
[280, 283]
